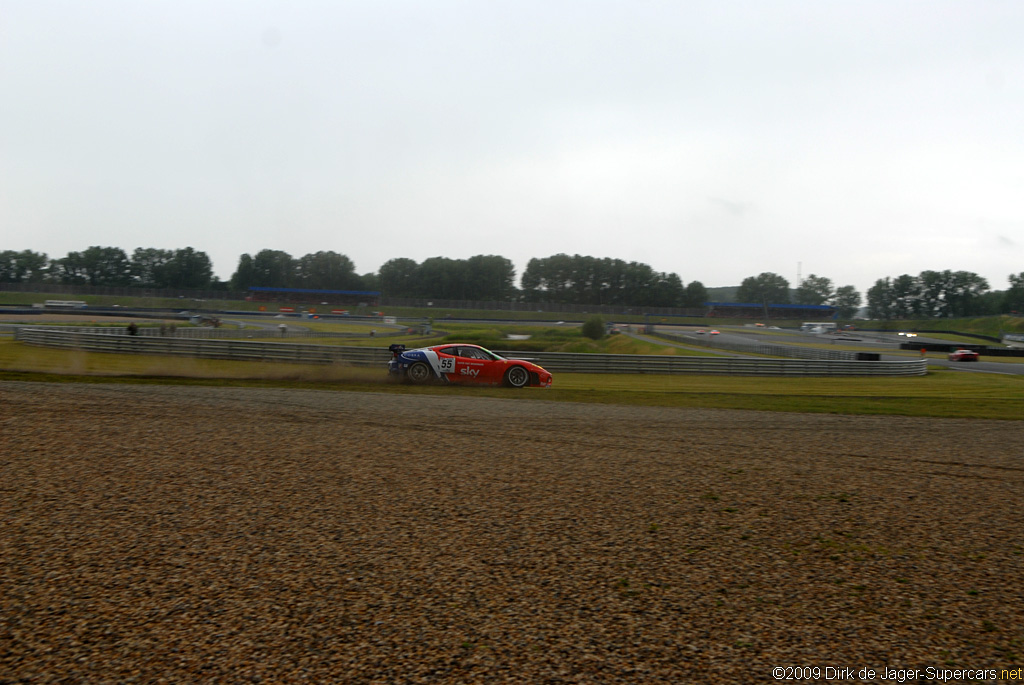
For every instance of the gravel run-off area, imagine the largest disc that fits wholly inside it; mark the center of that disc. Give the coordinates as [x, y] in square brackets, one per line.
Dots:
[192, 534]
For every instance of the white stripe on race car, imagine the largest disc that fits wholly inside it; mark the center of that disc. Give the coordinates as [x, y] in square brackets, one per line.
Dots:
[434, 362]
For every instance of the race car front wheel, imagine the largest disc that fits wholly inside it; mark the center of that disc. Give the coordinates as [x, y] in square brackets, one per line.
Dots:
[419, 373]
[517, 377]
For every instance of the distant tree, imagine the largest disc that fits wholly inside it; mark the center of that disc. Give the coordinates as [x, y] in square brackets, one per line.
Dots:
[593, 327]
[846, 301]
[580, 279]
[481, 277]
[1013, 298]
[557, 278]
[549, 279]
[530, 283]
[637, 278]
[815, 290]
[148, 267]
[108, 266]
[991, 303]
[326, 271]
[31, 266]
[588, 278]
[274, 269]
[490, 277]
[445, 278]
[369, 281]
[188, 269]
[951, 294]
[880, 300]
[8, 267]
[696, 294]
[565, 272]
[668, 291]
[398, 278]
[100, 266]
[906, 297]
[22, 267]
[965, 292]
[931, 294]
[245, 275]
[610, 283]
[765, 288]
[932, 287]
[68, 270]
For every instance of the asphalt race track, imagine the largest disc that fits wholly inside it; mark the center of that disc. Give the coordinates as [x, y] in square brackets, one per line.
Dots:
[883, 341]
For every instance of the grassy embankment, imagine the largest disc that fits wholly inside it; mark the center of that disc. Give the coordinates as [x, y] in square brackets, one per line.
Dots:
[943, 393]
[550, 338]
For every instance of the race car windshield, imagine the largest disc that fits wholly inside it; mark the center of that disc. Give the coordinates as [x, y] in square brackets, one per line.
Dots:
[496, 356]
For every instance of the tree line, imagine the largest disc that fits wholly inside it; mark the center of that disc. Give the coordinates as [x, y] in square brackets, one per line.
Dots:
[942, 294]
[182, 269]
[590, 280]
[560, 278]
[111, 266]
[317, 271]
[771, 288]
[483, 277]
[929, 295]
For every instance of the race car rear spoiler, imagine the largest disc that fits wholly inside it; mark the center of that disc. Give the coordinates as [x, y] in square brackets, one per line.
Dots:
[396, 349]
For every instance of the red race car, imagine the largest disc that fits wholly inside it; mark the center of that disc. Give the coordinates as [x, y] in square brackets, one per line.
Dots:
[963, 356]
[464, 363]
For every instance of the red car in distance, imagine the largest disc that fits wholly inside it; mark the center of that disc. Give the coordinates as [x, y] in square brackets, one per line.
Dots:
[963, 356]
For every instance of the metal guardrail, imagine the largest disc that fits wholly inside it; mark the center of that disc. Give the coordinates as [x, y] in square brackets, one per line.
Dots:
[299, 353]
[243, 350]
[226, 332]
[730, 366]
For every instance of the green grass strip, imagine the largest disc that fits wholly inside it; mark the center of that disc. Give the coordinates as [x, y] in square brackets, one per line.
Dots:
[942, 393]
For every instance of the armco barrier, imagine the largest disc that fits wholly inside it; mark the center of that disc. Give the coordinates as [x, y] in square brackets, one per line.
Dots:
[234, 333]
[242, 350]
[247, 350]
[729, 366]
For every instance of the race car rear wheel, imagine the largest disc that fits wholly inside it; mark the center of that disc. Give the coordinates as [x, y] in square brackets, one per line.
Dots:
[419, 373]
[517, 377]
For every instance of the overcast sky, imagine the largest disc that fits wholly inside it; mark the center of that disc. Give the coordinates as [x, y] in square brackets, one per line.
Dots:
[715, 139]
